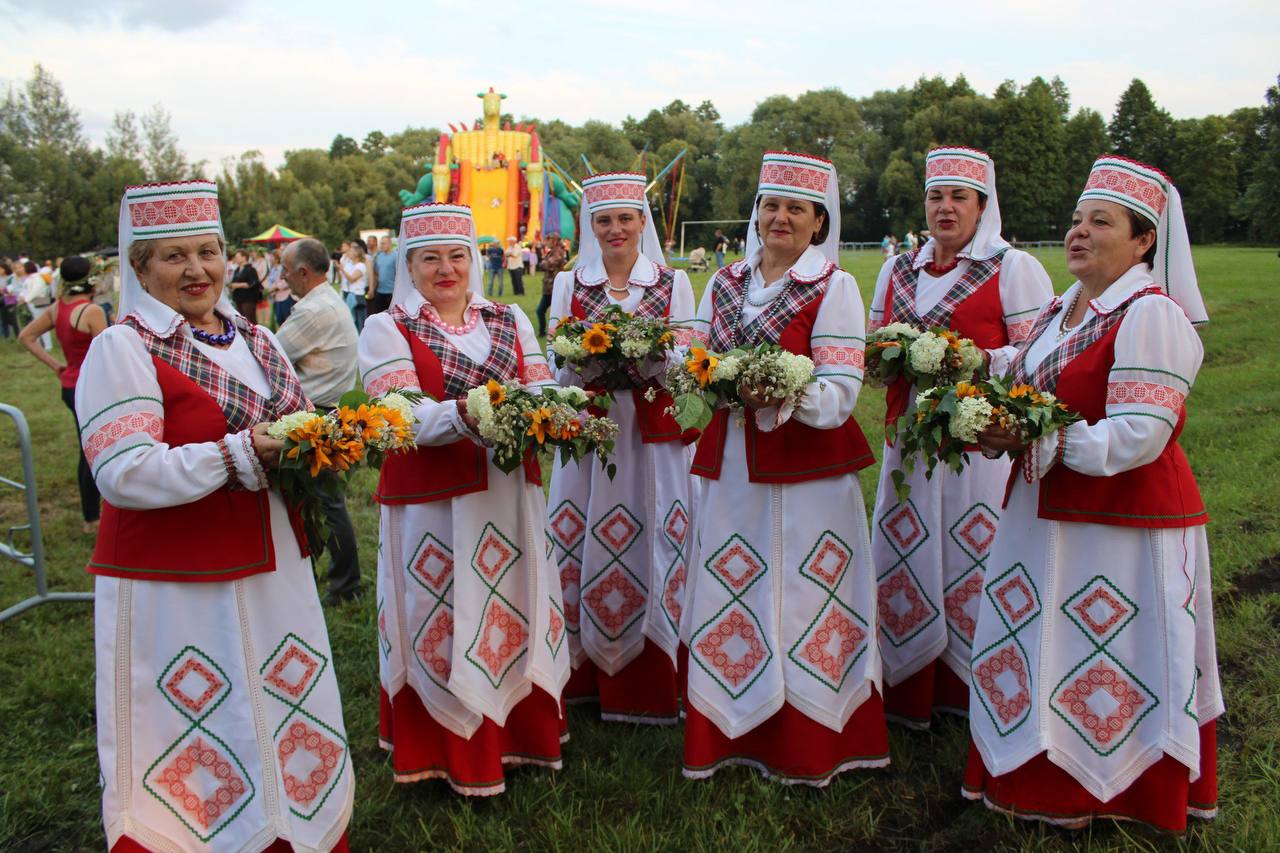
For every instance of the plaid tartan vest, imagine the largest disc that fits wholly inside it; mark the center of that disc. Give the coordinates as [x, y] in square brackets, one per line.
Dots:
[589, 303]
[442, 472]
[971, 308]
[794, 452]
[1160, 494]
[202, 403]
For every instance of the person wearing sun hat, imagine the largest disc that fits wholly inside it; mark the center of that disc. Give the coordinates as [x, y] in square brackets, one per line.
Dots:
[930, 550]
[623, 586]
[219, 721]
[471, 651]
[780, 609]
[1094, 678]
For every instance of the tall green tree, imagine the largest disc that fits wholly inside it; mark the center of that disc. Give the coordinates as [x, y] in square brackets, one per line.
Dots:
[1031, 158]
[1140, 129]
[1260, 205]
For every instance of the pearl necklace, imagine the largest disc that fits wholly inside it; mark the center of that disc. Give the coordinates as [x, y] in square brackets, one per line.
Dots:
[1063, 331]
[763, 304]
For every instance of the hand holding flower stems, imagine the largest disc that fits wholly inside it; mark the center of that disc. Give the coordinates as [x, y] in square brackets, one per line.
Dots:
[925, 358]
[619, 351]
[767, 375]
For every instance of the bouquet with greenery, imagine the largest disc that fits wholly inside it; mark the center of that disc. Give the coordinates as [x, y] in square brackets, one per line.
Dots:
[706, 381]
[925, 358]
[614, 351]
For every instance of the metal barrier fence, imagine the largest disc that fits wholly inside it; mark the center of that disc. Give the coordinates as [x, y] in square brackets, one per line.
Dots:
[33, 559]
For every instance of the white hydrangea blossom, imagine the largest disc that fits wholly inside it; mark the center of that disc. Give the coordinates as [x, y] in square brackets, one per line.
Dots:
[728, 367]
[479, 407]
[797, 370]
[970, 359]
[567, 348]
[896, 330]
[971, 417]
[634, 348]
[926, 353]
[399, 403]
[281, 428]
[573, 395]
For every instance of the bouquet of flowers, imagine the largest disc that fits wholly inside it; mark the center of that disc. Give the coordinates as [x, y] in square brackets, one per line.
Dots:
[322, 449]
[515, 421]
[706, 381]
[613, 349]
[943, 420]
[926, 359]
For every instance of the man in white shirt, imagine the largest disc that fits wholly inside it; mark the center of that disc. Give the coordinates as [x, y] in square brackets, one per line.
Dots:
[320, 339]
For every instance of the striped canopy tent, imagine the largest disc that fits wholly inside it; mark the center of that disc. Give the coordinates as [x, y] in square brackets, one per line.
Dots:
[277, 234]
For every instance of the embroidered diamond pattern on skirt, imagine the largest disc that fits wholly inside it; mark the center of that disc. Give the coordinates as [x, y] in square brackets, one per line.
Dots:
[499, 642]
[960, 601]
[827, 561]
[193, 684]
[832, 645]
[903, 606]
[975, 531]
[571, 589]
[494, 554]
[677, 524]
[555, 629]
[433, 646]
[432, 565]
[673, 594]
[384, 638]
[617, 530]
[1004, 686]
[731, 649]
[202, 786]
[613, 601]
[292, 672]
[736, 565]
[902, 526]
[308, 761]
[1103, 704]
[568, 525]
[1100, 609]
[1016, 598]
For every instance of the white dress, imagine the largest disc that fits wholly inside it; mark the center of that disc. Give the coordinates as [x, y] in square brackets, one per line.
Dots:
[1095, 642]
[471, 638]
[620, 544]
[930, 551]
[780, 603]
[219, 721]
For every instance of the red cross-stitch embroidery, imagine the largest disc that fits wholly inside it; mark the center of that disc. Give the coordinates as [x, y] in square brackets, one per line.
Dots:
[672, 593]
[135, 423]
[439, 632]
[194, 703]
[1115, 611]
[629, 599]
[1008, 660]
[295, 688]
[818, 650]
[199, 754]
[513, 637]
[402, 379]
[1139, 189]
[1145, 393]
[955, 602]
[916, 611]
[711, 647]
[943, 166]
[436, 225]
[1019, 331]
[327, 753]
[794, 175]
[1101, 726]
[183, 211]
[839, 355]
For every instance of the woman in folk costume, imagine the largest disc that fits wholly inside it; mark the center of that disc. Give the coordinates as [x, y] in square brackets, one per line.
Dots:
[219, 722]
[471, 626]
[620, 544]
[1094, 675]
[779, 617]
[930, 550]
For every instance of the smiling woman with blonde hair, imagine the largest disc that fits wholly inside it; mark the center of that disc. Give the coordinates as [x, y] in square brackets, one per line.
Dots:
[219, 722]
[471, 648]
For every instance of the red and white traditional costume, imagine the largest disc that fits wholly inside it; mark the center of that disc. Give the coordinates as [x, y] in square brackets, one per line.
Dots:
[930, 551]
[780, 617]
[621, 545]
[1094, 675]
[471, 628]
[219, 722]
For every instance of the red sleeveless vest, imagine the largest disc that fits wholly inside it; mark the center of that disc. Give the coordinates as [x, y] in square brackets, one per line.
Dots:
[1162, 493]
[794, 452]
[158, 544]
[442, 472]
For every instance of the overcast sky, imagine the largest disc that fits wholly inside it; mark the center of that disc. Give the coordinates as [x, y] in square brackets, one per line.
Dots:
[274, 76]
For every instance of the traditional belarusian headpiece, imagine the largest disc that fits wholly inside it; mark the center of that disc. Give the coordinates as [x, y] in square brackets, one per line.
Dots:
[1151, 194]
[968, 167]
[434, 224]
[802, 176]
[608, 191]
[157, 211]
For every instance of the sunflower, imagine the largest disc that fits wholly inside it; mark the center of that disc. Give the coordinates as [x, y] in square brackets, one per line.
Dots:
[539, 421]
[666, 338]
[1021, 391]
[497, 392]
[952, 339]
[967, 389]
[596, 340]
[701, 364]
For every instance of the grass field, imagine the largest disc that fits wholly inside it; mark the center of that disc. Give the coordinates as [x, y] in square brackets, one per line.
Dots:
[621, 788]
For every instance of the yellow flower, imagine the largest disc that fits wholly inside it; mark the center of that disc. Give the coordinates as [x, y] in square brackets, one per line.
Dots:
[967, 389]
[539, 421]
[665, 338]
[952, 339]
[497, 393]
[1020, 391]
[596, 340]
[701, 364]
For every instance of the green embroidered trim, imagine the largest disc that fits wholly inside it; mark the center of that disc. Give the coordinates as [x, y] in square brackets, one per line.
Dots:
[677, 561]
[839, 337]
[1185, 381]
[735, 600]
[388, 361]
[1160, 418]
[991, 588]
[1021, 313]
[516, 555]
[101, 412]
[831, 601]
[615, 559]
[857, 376]
[904, 563]
[118, 453]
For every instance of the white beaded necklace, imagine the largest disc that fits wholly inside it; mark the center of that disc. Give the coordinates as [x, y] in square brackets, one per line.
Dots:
[1063, 331]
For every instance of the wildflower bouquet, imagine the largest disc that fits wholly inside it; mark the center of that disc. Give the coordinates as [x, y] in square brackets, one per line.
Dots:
[614, 349]
[706, 381]
[516, 422]
[926, 359]
[322, 449]
[943, 420]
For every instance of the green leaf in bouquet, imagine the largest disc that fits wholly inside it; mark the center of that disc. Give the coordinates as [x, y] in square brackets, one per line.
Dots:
[692, 411]
[611, 470]
[900, 485]
[892, 353]
[353, 399]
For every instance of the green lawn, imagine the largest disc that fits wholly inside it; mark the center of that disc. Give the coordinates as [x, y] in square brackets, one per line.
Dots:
[621, 788]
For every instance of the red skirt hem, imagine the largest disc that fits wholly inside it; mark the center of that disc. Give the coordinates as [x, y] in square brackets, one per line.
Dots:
[422, 749]
[645, 691]
[1163, 796]
[128, 845]
[933, 689]
[790, 747]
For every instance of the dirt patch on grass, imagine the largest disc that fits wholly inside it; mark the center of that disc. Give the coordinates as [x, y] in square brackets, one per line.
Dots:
[1261, 579]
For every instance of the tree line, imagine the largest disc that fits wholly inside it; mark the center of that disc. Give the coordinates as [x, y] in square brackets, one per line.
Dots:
[59, 193]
